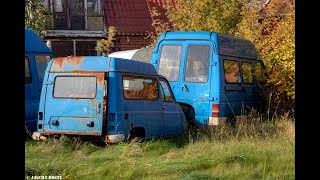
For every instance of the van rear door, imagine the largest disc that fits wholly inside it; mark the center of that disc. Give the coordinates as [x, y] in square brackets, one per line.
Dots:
[74, 103]
[195, 80]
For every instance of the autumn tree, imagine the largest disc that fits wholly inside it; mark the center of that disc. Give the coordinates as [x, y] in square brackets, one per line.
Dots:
[104, 45]
[205, 15]
[36, 16]
[272, 29]
[158, 24]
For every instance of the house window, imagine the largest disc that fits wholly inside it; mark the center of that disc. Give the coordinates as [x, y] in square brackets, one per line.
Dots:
[94, 7]
[68, 14]
[62, 48]
[94, 17]
[71, 15]
[86, 48]
[74, 48]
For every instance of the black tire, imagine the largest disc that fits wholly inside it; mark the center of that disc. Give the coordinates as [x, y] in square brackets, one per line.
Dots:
[189, 114]
[136, 133]
[231, 120]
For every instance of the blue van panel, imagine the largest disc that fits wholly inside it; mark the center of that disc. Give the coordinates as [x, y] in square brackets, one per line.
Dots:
[100, 64]
[72, 115]
[34, 46]
[33, 43]
[186, 35]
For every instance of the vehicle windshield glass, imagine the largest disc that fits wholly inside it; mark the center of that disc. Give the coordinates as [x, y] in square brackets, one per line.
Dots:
[169, 65]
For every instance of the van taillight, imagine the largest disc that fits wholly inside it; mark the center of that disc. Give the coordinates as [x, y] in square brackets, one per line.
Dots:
[215, 110]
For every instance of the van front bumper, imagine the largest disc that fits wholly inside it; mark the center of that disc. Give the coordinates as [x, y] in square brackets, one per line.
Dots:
[115, 138]
[38, 136]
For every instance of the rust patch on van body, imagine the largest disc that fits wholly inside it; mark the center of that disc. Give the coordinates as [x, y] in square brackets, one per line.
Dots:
[59, 62]
[91, 102]
[100, 77]
[73, 133]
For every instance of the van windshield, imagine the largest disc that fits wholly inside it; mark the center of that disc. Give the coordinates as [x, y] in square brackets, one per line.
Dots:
[75, 87]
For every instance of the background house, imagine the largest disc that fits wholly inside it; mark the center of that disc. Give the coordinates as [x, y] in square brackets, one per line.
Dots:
[77, 25]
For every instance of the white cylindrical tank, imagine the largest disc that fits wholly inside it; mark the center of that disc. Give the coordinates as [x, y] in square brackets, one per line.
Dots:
[142, 55]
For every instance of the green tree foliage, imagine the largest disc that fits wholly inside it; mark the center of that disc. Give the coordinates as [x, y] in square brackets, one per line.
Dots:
[36, 16]
[205, 15]
[104, 45]
[158, 24]
[273, 32]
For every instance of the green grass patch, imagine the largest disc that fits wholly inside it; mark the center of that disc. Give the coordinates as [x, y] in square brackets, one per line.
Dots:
[199, 156]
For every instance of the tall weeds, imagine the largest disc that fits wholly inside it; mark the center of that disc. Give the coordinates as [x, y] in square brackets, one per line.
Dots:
[253, 125]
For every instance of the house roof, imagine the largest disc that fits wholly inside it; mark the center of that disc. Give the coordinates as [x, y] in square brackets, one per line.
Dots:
[73, 34]
[132, 17]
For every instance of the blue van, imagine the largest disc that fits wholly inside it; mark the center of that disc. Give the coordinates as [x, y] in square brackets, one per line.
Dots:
[113, 98]
[37, 56]
[215, 77]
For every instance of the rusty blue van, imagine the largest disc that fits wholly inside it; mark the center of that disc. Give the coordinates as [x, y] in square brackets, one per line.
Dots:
[113, 98]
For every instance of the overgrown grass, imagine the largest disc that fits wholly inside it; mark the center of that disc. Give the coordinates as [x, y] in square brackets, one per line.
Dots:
[252, 150]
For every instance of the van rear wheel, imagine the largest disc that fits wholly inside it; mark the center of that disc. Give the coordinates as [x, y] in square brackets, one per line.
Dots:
[231, 120]
[137, 133]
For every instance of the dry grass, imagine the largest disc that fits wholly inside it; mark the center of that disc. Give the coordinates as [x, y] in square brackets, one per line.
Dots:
[254, 149]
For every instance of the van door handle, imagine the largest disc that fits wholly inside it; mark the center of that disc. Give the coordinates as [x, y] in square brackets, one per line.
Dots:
[98, 107]
[164, 107]
[185, 86]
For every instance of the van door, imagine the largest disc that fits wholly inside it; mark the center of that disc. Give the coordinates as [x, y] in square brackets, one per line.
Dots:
[231, 100]
[169, 64]
[260, 79]
[171, 114]
[74, 103]
[249, 97]
[195, 81]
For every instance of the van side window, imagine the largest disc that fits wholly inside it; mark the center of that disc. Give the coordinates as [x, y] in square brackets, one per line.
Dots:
[247, 74]
[136, 87]
[73, 87]
[170, 58]
[27, 73]
[231, 71]
[42, 62]
[167, 94]
[259, 73]
[197, 67]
